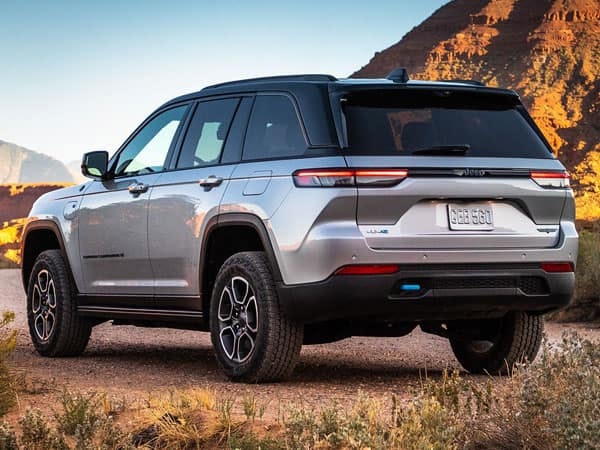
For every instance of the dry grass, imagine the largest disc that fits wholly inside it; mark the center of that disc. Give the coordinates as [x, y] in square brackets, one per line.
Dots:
[554, 404]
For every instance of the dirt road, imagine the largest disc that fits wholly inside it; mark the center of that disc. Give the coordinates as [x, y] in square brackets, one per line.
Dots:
[132, 362]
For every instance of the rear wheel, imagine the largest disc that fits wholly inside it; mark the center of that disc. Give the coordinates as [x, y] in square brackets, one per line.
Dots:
[54, 325]
[502, 343]
[253, 341]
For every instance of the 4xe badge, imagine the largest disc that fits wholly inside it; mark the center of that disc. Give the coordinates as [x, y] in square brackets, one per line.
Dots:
[377, 231]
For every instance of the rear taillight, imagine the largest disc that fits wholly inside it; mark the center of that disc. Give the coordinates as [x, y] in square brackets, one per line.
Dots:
[550, 179]
[557, 267]
[349, 177]
[368, 269]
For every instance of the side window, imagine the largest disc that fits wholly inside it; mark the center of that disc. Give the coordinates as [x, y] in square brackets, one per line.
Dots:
[207, 132]
[147, 151]
[274, 130]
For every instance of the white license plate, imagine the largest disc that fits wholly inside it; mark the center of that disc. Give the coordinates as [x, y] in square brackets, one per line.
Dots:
[470, 217]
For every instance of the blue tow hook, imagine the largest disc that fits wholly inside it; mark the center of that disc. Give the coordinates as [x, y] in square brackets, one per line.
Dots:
[411, 287]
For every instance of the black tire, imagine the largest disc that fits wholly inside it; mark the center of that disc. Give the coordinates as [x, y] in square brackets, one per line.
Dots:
[55, 330]
[271, 351]
[517, 339]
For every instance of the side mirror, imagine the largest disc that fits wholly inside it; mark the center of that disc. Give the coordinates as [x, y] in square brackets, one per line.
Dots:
[94, 165]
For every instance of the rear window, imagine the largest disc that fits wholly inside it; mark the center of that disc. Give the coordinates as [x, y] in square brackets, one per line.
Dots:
[402, 123]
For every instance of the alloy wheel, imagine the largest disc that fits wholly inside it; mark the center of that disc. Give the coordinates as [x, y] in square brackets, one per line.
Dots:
[43, 305]
[238, 319]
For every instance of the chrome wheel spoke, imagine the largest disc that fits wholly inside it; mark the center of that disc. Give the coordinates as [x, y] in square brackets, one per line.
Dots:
[50, 320]
[51, 294]
[225, 306]
[252, 315]
[240, 289]
[36, 299]
[43, 280]
[245, 347]
[229, 340]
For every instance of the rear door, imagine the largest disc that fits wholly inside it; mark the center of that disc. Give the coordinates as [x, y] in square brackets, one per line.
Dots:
[451, 170]
[186, 197]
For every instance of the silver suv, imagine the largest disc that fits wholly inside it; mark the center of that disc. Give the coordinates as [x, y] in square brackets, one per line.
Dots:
[292, 210]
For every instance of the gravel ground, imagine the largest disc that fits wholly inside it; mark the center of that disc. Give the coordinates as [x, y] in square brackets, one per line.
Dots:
[131, 362]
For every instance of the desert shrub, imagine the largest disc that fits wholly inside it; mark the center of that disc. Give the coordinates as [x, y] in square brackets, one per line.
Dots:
[561, 394]
[186, 419]
[8, 438]
[588, 268]
[424, 423]
[8, 339]
[36, 434]
[80, 415]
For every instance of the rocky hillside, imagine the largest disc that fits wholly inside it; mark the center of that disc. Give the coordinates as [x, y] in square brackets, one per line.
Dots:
[20, 165]
[547, 50]
[15, 202]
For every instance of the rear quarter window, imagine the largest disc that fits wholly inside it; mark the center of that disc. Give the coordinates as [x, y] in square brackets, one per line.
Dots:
[274, 130]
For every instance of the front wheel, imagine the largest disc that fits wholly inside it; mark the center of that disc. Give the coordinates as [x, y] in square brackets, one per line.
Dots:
[253, 341]
[503, 343]
[55, 327]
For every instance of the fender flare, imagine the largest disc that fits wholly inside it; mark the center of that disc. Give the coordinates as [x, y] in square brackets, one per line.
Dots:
[243, 219]
[45, 225]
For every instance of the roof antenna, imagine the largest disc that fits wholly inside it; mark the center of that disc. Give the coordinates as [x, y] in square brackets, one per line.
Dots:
[399, 75]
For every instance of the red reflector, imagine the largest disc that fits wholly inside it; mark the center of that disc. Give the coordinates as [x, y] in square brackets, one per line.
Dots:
[368, 269]
[555, 267]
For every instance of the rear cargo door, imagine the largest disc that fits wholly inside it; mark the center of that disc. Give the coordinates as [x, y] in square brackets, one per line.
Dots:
[451, 170]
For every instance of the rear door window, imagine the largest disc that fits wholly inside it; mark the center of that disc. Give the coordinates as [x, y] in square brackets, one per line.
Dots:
[274, 130]
[402, 123]
[207, 133]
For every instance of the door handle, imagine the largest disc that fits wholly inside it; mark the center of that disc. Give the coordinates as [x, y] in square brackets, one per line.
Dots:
[137, 188]
[210, 182]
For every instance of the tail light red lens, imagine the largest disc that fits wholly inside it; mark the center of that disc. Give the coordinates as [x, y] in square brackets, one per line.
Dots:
[349, 177]
[551, 179]
[324, 178]
[558, 267]
[380, 178]
[368, 269]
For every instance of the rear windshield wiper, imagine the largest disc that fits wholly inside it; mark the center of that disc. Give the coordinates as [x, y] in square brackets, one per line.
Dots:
[444, 150]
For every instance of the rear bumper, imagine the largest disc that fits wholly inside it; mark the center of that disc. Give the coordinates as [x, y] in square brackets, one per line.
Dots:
[451, 291]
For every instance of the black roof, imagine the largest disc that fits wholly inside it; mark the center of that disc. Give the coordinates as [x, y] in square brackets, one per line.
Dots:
[295, 83]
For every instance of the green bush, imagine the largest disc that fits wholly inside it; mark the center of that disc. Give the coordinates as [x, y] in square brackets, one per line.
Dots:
[36, 434]
[561, 394]
[588, 268]
[8, 340]
[8, 438]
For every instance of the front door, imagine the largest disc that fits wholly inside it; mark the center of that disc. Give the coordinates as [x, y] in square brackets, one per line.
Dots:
[114, 213]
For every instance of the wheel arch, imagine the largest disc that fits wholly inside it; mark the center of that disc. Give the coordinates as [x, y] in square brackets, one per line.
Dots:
[39, 236]
[226, 235]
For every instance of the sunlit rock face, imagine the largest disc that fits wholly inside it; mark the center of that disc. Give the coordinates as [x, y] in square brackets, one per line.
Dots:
[547, 50]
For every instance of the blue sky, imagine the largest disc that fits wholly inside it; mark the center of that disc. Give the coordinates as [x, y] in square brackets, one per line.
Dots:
[81, 75]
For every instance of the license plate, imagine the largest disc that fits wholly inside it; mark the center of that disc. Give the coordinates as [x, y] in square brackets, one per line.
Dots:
[470, 217]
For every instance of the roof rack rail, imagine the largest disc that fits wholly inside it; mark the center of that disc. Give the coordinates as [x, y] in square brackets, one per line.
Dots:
[399, 75]
[459, 80]
[304, 77]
